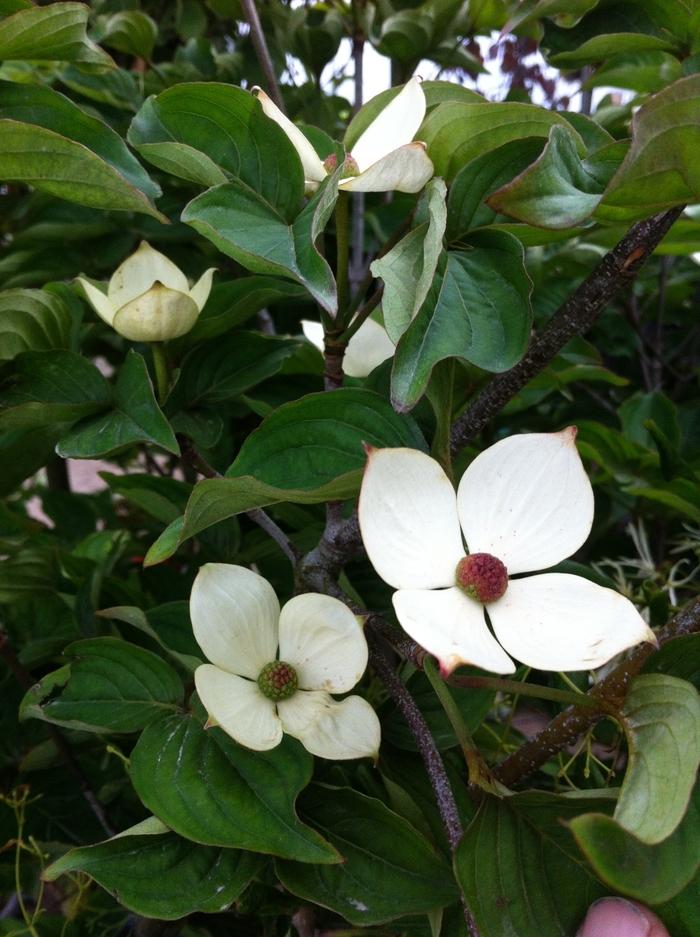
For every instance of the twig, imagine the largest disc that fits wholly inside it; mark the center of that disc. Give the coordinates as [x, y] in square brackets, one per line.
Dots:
[257, 515]
[265, 522]
[574, 317]
[432, 759]
[565, 728]
[26, 681]
[262, 53]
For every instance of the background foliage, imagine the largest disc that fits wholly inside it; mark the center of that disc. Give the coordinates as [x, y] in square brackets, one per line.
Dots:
[125, 120]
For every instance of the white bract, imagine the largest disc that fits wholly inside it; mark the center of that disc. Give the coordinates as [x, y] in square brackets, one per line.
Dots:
[148, 298]
[253, 694]
[366, 350]
[385, 156]
[527, 502]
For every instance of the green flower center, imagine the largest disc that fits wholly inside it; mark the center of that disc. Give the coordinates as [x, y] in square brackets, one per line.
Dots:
[278, 681]
[482, 576]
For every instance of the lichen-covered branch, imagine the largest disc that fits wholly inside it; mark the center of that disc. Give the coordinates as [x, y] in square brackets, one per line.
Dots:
[574, 317]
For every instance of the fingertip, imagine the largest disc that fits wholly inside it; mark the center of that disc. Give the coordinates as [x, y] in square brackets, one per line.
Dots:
[617, 917]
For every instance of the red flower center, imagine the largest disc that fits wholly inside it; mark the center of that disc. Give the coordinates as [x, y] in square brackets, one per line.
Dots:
[482, 576]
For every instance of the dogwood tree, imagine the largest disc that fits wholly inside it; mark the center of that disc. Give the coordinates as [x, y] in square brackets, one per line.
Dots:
[350, 447]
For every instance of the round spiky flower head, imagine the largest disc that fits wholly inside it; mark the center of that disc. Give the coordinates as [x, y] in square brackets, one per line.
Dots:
[524, 504]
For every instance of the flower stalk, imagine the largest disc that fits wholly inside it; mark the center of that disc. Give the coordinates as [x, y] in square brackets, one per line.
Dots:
[479, 774]
[161, 368]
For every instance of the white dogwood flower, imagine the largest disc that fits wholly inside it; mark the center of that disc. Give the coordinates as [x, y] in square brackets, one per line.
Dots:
[253, 693]
[385, 157]
[365, 351]
[524, 504]
[148, 298]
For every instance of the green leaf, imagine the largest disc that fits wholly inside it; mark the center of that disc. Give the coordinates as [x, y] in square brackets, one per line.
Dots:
[456, 133]
[135, 418]
[661, 719]
[466, 204]
[52, 387]
[388, 869]
[166, 545]
[43, 107]
[600, 48]
[679, 657]
[132, 32]
[519, 869]
[560, 189]
[490, 288]
[640, 71]
[23, 452]
[661, 169]
[55, 33]
[638, 409]
[409, 267]
[162, 498]
[652, 874]
[230, 304]
[158, 874]
[319, 438]
[210, 133]
[216, 499]
[52, 163]
[406, 36]
[221, 371]
[34, 320]
[681, 495]
[107, 686]
[209, 789]
[241, 224]
[147, 622]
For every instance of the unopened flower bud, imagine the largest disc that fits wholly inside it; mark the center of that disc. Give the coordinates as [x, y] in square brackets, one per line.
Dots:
[148, 298]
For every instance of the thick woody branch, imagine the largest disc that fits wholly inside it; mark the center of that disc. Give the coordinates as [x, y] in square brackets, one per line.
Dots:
[262, 53]
[565, 728]
[619, 267]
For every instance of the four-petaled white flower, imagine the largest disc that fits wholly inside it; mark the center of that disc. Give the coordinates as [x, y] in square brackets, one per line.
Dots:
[253, 694]
[366, 350]
[524, 504]
[385, 157]
[148, 298]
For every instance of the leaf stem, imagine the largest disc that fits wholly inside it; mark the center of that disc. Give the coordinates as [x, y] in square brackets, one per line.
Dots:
[162, 371]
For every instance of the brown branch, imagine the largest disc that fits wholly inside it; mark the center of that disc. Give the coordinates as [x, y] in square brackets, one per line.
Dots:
[262, 53]
[432, 759]
[619, 267]
[26, 681]
[565, 728]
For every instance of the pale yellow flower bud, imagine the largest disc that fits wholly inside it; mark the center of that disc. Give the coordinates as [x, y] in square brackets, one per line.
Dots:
[148, 298]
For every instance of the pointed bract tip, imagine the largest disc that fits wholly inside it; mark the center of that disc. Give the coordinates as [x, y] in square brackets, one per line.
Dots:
[369, 448]
[448, 664]
[569, 433]
[651, 638]
[211, 723]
